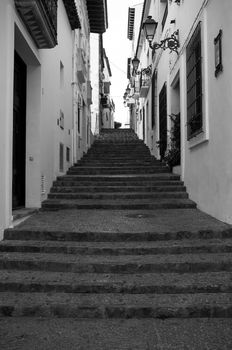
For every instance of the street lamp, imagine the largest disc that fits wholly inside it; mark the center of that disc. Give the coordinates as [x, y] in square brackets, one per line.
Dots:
[135, 64]
[171, 43]
[128, 90]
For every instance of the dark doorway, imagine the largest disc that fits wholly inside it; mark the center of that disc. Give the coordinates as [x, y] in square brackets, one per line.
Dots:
[163, 120]
[144, 124]
[19, 133]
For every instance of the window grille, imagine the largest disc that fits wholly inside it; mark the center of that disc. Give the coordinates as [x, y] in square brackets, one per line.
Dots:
[194, 84]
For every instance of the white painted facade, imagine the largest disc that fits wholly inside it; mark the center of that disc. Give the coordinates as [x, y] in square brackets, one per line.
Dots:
[206, 164]
[107, 114]
[51, 102]
[94, 77]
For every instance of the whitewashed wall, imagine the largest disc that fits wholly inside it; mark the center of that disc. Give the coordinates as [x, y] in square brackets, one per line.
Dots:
[206, 164]
[48, 92]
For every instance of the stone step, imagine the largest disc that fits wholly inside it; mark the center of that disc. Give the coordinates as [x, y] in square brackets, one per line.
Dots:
[63, 188]
[142, 178]
[160, 263]
[116, 195]
[102, 236]
[127, 153]
[160, 203]
[119, 248]
[117, 167]
[117, 171]
[109, 164]
[118, 305]
[116, 185]
[66, 282]
[116, 158]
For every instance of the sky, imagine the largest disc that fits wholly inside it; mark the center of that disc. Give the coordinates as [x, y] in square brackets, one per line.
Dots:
[118, 49]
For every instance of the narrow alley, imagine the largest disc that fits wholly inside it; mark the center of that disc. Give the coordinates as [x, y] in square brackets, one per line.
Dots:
[118, 258]
[116, 175]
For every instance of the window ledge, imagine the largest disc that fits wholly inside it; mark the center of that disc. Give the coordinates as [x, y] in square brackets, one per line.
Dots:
[198, 140]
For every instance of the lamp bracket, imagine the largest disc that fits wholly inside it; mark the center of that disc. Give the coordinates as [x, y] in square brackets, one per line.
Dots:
[145, 71]
[171, 43]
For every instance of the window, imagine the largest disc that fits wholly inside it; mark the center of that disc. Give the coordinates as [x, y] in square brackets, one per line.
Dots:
[68, 154]
[194, 84]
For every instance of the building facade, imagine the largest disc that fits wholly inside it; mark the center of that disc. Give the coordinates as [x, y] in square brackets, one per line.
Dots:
[182, 104]
[107, 107]
[45, 95]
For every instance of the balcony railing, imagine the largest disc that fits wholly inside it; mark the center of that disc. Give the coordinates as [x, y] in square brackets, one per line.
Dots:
[40, 18]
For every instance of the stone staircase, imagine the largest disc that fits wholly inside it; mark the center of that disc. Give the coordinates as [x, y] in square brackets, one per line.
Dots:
[117, 273]
[118, 172]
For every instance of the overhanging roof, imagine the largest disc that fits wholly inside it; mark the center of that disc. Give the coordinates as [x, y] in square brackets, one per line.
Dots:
[72, 14]
[98, 17]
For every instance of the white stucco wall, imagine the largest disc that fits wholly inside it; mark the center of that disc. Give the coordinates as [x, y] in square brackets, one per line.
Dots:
[46, 96]
[94, 77]
[6, 110]
[208, 166]
[56, 97]
[206, 160]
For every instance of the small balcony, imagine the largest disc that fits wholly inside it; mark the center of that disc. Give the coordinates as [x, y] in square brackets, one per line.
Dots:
[40, 18]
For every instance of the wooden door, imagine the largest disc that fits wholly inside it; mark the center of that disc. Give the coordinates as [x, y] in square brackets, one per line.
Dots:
[19, 133]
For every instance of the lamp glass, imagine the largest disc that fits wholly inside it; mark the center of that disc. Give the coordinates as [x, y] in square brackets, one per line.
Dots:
[149, 27]
[135, 63]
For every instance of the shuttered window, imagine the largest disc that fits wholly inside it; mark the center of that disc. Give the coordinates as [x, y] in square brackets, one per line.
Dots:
[194, 84]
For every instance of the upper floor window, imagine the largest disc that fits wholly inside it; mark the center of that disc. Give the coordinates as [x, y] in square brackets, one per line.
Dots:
[194, 84]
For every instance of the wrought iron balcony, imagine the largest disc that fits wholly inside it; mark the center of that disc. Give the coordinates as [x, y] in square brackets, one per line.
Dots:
[40, 18]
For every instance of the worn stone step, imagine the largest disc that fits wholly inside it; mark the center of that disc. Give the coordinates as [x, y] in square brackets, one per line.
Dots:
[180, 263]
[62, 282]
[109, 305]
[63, 188]
[108, 236]
[117, 185]
[118, 167]
[120, 150]
[160, 203]
[117, 195]
[116, 158]
[119, 248]
[101, 170]
[125, 179]
[113, 164]
[115, 334]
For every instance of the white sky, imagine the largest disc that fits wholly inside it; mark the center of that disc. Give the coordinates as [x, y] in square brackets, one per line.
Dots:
[118, 49]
